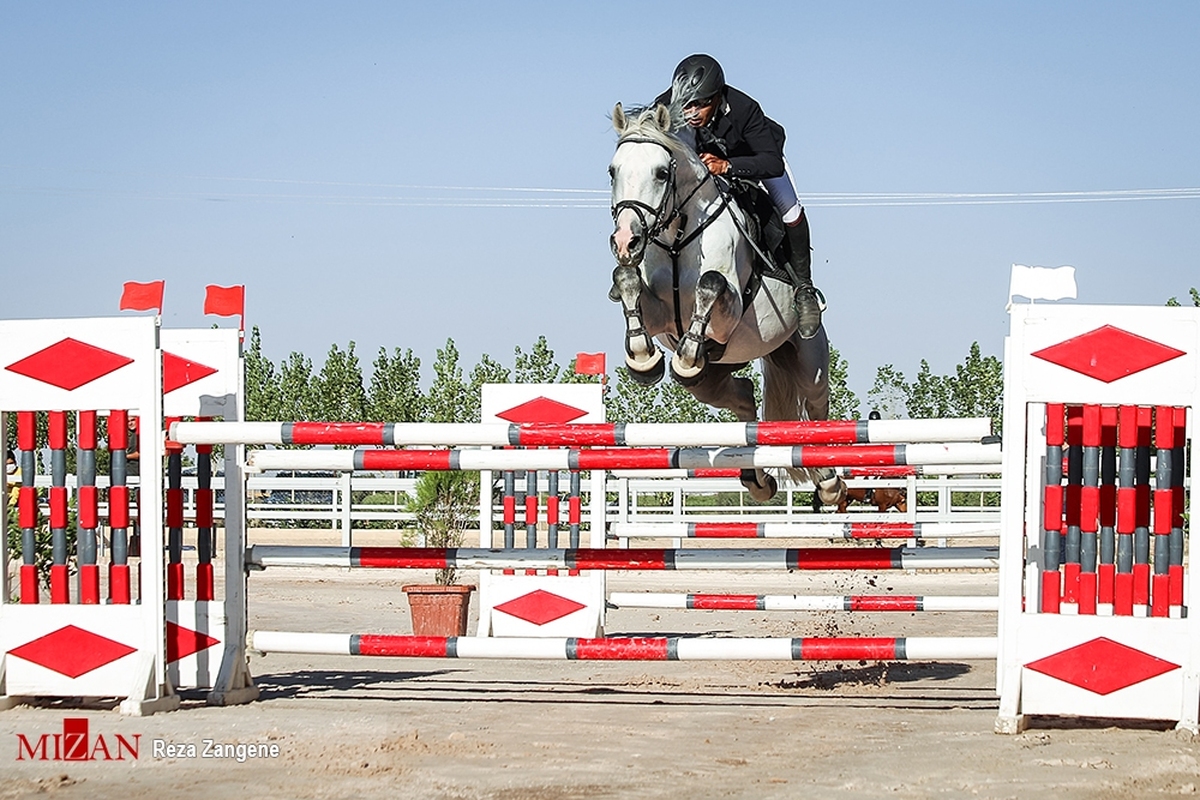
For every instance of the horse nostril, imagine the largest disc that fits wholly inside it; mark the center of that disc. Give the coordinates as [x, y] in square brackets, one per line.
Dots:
[635, 243]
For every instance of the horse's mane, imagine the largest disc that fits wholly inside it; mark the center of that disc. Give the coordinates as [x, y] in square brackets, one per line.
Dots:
[679, 140]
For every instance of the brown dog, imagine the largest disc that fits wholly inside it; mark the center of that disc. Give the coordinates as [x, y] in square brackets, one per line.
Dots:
[883, 499]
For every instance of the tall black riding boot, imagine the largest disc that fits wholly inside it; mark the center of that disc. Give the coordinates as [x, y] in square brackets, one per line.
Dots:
[808, 300]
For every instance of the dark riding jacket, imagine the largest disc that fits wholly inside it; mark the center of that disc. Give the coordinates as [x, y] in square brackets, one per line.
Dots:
[742, 134]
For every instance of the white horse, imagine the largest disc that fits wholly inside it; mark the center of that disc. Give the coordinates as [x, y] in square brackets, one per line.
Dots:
[684, 277]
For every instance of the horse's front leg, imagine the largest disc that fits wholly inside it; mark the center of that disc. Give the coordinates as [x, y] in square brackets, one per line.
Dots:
[642, 357]
[716, 304]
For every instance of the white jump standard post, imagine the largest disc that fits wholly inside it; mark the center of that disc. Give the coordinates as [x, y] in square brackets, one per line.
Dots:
[78, 645]
[1093, 585]
[203, 376]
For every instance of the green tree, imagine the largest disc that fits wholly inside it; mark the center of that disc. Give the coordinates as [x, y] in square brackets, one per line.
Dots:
[1174, 301]
[447, 399]
[889, 394]
[395, 394]
[296, 399]
[445, 504]
[629, 401]
[536, 366]
[843, 403]
[977, 388]
[974, 390]
[338, 393]
[929, 395]
[262, 383]
[488, 370]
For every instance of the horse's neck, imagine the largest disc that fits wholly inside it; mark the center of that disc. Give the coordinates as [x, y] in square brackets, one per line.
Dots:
[703, 201]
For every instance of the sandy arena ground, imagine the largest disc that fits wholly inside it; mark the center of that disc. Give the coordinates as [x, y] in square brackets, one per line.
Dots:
[348, 727]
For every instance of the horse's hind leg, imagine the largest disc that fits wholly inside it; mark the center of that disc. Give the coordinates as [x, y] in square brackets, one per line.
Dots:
[717, 386]
[796, 386]
[644, 360]
[715, 300]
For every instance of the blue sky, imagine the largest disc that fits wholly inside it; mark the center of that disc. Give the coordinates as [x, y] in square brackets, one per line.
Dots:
[296, 148]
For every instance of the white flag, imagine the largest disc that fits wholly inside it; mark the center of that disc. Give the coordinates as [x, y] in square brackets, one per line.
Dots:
[1042, 283]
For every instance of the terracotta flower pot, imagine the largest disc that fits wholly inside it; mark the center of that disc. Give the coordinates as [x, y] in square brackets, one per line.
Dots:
[439, 610]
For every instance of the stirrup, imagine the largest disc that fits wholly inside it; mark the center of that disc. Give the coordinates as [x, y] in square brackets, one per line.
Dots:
[809, 303]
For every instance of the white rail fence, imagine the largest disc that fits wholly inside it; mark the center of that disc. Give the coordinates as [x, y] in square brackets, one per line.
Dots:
[347, 501]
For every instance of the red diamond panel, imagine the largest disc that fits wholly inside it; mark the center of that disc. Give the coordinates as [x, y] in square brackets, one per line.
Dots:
[182, 642]
[72, 651]
[540, 607]
[542, 409]
[69, 364]
[1108, 353]
[179, 371]
[1102, 666]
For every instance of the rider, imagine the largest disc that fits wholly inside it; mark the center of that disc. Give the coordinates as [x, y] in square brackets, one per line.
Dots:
[734, 138]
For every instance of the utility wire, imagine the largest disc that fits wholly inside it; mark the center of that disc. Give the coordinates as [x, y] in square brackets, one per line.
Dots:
[450, 196]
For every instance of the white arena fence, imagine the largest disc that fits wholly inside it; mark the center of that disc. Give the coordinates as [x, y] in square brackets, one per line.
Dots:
[320, 501]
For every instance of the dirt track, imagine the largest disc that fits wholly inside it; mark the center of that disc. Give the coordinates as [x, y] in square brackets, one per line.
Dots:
[350, 727]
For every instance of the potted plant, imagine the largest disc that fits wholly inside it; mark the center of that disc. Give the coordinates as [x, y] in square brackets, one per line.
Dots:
[445, 505]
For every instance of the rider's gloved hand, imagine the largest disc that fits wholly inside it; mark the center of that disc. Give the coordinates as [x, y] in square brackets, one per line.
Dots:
[716, 165]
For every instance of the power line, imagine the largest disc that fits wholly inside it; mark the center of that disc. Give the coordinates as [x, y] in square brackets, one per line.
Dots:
[550, 197]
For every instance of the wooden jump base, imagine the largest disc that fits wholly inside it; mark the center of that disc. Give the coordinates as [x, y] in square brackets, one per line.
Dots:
[667, 648]
[800, 602]
[648, 559]
[633, 434]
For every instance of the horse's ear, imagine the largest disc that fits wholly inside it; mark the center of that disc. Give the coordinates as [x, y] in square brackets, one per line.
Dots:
[662, 117]
[618, 119]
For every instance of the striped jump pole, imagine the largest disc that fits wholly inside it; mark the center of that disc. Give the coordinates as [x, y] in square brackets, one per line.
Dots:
[637, 559]
[665, 648]
[603, 434]
[802, 530]
[800, 456]
[800, 602]
[903, 471]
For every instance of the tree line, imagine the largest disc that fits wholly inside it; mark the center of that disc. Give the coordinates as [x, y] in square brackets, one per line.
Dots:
[295, 389]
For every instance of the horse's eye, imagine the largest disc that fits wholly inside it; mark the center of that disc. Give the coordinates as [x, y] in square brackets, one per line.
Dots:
[612, 173]
[661, 174]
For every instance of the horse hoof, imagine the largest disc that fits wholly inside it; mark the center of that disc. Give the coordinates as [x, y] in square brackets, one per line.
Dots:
[760, 492]
[685, 376]
[649, 372]
[832, 491]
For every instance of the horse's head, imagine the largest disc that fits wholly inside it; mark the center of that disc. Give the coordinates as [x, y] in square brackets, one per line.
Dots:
[643, 172]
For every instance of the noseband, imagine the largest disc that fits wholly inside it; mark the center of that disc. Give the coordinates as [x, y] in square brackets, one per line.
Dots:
[640, 209]
[663, 216]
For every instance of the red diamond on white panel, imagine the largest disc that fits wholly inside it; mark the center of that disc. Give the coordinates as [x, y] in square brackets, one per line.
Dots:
[183, 642]
[69, 364]
[1108, 353]
[540, 607]
[542, 409]
[1102, 666]
[72, 651]
[179, 371]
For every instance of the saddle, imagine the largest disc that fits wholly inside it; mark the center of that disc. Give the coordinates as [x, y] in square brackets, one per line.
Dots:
[765, 228]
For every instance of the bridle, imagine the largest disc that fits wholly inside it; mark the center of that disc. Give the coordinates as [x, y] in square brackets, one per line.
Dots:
[662, 216]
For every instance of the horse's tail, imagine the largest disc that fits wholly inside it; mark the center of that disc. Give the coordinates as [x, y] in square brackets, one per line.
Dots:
[796, 387]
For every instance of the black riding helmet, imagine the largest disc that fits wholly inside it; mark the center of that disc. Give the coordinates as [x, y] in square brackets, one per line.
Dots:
[698, 77]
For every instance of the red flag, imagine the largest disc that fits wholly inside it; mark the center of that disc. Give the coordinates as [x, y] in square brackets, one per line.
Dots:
[225, 301]
[142, 296]
[589, 363]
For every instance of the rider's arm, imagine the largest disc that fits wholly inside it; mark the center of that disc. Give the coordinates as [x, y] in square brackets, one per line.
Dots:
[765, 159]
